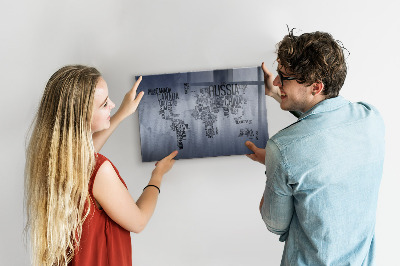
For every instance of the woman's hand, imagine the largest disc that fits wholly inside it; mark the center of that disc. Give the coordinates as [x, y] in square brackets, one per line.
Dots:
[128, 107]
[164, 165]
[131, 101]
[270, 89]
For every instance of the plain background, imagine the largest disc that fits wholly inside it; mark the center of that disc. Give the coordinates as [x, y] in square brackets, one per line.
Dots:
[208, 208]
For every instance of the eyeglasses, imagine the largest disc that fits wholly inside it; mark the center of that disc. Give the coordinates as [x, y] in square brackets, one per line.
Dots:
[282, 78]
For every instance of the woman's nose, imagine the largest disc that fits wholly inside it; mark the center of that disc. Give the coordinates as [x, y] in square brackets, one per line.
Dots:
[112, 104]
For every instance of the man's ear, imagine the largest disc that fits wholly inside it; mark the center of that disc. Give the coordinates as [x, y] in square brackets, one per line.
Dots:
[317, 88]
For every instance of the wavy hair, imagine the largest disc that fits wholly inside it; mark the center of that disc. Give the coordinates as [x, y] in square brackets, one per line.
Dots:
[59, 162]
[314, 57]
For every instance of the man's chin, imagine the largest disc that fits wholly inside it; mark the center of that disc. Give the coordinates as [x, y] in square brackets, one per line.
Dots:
[285, 108]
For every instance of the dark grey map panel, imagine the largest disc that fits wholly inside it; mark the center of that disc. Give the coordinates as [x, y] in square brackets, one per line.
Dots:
[202, 114]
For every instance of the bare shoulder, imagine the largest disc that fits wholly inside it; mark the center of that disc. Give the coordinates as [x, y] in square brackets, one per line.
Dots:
[106, 179]
[112, 195]
[106, 169]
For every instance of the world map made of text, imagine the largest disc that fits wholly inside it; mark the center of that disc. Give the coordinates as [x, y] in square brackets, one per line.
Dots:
[210, 100]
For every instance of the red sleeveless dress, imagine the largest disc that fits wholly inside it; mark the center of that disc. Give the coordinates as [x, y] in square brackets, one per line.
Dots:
[103, 241]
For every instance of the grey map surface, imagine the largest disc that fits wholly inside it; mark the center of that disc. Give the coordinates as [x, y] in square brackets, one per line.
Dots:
[202, 114]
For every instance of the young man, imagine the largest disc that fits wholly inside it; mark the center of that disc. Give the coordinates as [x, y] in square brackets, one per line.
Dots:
[323, 171]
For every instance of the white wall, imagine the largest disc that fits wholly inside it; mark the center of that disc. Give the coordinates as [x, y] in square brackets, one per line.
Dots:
[208, 208]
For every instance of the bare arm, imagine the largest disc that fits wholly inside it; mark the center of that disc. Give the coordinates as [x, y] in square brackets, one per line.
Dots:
[128, 107]
[116, 201]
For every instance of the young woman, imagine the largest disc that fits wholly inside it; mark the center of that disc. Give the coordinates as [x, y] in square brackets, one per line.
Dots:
[78, 207]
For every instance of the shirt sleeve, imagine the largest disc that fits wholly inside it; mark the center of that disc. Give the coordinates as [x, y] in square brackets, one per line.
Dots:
[277, 209]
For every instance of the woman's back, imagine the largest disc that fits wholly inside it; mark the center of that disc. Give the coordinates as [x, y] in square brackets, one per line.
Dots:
[103, 242]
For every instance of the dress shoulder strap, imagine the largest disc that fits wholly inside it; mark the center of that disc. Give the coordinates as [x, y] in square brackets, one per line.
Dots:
[100, 159]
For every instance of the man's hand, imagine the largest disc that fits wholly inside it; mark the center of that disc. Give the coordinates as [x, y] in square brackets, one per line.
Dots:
[270, 89]
[258, 155]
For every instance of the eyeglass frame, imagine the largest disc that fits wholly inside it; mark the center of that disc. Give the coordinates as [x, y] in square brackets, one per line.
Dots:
[282, 78]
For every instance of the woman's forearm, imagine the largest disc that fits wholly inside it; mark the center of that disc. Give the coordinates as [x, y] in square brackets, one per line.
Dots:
[101, 137]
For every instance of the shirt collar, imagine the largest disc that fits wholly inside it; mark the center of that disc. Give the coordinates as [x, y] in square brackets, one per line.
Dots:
[325, 106]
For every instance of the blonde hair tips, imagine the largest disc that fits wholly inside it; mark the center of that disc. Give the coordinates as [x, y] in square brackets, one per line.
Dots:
[59, 161]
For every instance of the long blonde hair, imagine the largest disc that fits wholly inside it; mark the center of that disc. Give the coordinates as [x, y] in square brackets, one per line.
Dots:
[59, 161]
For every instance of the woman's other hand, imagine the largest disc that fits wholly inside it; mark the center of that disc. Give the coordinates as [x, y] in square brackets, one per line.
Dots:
[131, 100]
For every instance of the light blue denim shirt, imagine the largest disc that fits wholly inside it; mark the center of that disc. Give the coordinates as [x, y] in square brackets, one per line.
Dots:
[323, 175]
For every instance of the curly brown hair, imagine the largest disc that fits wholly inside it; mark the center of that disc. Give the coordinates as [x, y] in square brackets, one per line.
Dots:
[314, 57]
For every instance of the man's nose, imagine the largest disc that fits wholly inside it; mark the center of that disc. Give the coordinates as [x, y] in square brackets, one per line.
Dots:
[277, 81]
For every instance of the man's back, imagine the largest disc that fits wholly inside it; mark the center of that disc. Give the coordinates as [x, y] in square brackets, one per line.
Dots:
[329, 165]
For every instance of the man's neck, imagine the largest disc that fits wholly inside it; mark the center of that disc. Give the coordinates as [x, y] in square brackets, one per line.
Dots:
[316, 100]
